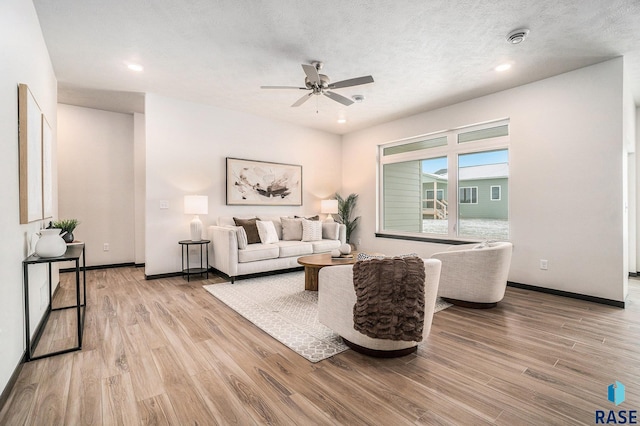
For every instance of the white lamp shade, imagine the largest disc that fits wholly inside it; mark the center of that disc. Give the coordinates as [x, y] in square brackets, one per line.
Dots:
[329, 206]
[196, 204]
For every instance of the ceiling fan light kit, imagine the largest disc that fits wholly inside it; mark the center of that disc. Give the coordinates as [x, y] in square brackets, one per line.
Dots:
[320, 84]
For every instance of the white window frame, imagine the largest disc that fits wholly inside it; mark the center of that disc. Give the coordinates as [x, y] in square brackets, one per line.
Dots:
[451, 151]
[473, 189]
[499, 193]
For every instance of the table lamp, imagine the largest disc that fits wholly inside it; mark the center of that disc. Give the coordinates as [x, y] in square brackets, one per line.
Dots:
[196, 205]
[329, 207]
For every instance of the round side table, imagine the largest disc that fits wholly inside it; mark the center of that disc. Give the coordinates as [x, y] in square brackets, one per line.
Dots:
[188, 271]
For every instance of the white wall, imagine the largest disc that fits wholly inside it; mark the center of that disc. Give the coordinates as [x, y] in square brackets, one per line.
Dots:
[24, 60]
[96, 180]
[629, 184]
[139, 179]
[566, 177]
[186, 147]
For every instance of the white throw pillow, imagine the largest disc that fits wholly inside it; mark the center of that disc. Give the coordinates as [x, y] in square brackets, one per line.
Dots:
[330, 230]
[267, 232]
[311, 230]
[241, 236]
[291, 229]
[276, 223]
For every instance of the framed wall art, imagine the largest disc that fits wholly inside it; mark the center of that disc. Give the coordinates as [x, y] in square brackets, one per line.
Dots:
[47, 174]
[263, 183]
[30, 155]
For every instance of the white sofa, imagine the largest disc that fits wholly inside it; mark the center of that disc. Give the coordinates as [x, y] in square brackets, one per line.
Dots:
[336, 297]
[226, 256]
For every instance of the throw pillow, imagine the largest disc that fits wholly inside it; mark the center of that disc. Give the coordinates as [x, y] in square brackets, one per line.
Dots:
[241, 236]
[485, 244]
[276, 223]
[267, 232]
[311, 230]
[250, 228]
[330, 231]
[291, 229]
[316, 217]
[365, 256]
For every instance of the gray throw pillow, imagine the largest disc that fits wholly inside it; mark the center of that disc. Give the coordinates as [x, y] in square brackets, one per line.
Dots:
[330, 231]
[291, 229]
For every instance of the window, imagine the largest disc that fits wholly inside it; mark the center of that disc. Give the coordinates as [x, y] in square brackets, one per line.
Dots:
[431, 199]
[450, 184]
[469, 195]
[496, 193]
[479, 213]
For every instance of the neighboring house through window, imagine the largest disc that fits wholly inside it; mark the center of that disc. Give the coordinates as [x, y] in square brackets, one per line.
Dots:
[449, 184]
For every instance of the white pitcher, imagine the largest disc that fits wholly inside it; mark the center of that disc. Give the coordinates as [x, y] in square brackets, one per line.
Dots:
[50, 243]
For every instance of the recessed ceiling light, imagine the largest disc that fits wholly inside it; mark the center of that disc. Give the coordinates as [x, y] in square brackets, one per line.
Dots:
[502, 67]
[342, 120]
[135, 67]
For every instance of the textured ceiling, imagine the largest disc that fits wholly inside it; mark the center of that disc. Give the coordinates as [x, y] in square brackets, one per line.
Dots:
[422, 54]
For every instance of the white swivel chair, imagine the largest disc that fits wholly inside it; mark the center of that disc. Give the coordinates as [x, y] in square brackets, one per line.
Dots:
[336, 298]
[475, 276]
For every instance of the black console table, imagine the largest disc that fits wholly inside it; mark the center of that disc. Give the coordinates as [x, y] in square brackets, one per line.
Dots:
[74, 253]
[188, 271]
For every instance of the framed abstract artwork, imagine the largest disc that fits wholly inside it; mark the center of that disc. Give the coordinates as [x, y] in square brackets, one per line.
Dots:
[261, 183]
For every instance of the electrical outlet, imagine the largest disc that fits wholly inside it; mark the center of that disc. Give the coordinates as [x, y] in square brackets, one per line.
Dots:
[105, 247]
[544, 264]
[164, 204]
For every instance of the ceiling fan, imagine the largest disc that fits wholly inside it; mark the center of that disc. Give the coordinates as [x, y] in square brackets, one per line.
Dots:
[319, 84]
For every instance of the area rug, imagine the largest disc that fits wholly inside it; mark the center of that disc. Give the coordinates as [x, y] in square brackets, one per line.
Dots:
[281, 307]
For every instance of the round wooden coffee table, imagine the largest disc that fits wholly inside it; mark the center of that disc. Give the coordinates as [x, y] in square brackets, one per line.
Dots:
[312, 265]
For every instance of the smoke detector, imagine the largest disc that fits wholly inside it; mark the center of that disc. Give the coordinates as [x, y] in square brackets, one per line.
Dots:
[517, 36]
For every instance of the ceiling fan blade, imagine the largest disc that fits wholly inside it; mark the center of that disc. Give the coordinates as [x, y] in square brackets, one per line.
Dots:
[312, 73]
[283, 87]
[351, 82]
[338, 98]
[302, 100]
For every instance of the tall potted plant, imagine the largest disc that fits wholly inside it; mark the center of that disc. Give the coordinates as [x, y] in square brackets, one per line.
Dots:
[346, 210]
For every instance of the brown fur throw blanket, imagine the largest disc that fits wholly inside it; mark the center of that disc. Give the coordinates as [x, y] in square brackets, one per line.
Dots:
[390, 298]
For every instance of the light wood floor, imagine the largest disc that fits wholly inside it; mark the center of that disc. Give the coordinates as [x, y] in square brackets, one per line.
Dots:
[167, 352]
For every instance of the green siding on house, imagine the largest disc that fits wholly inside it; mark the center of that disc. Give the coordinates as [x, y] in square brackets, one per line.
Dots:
[486, 208]
[402, 197]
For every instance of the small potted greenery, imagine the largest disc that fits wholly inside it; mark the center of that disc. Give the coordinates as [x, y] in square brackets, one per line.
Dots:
[67, 225]
[346, 208]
